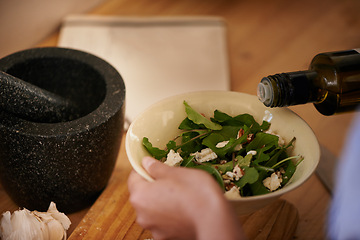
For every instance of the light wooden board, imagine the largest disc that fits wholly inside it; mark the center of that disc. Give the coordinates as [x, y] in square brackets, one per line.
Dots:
[266, 37]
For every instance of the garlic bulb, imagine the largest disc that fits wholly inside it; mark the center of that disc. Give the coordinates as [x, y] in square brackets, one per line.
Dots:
[26, 225]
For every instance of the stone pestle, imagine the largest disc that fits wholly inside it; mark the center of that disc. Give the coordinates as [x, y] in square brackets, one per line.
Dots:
[33, 103]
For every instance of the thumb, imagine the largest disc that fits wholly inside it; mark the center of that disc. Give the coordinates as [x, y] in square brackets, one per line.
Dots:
[155, 168]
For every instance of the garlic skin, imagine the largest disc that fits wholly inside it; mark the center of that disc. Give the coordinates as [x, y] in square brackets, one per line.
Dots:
[26, 225]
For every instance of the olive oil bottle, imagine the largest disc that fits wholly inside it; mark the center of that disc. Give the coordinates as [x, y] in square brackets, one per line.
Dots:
[332, 84]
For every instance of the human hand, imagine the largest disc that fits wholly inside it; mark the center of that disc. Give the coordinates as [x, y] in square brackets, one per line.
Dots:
[181, 203]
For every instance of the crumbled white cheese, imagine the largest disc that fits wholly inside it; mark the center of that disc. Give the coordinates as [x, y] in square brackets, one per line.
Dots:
[227, 177]
[233, 175]
[233, 193]
[230, 175]
[204, 155]
[173, 158]
[222, 144]
[252, 152]
[273, 182]
[238, 172]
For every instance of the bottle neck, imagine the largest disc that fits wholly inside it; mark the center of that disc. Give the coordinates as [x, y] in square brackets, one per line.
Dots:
[286, 89]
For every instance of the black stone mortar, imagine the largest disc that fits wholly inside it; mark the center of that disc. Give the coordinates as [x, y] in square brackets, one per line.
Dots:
[70, 161]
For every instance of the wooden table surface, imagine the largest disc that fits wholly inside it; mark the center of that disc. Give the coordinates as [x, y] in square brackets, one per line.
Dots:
[264, 37]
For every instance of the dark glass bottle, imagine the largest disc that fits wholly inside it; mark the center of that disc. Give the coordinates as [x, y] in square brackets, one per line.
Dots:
[332, 83]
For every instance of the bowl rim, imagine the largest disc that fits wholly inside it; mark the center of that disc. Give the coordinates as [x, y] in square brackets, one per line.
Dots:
[288, 188]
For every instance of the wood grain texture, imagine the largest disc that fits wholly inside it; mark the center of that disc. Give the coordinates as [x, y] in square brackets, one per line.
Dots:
[276, 221]
[264, 37]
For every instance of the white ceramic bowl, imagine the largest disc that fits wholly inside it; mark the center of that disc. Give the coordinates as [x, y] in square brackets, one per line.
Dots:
[160, 124]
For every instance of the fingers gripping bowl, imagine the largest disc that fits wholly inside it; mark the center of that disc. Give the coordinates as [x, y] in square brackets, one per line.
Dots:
[159, 123]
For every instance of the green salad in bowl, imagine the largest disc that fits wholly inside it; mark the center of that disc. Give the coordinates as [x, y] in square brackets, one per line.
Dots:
[245, 158]
[255, 153]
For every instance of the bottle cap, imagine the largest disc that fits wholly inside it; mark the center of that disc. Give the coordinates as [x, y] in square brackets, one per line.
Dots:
[265, 93]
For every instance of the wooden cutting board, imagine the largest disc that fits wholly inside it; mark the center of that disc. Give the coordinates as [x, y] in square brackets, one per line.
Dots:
[276, 221]
[112, 216]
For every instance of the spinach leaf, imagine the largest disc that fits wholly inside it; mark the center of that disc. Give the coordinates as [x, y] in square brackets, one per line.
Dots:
[258, 188]
[289, 167]
[279, 153]
[214, 138]
[251, 175]
[229, 131]
[289, 172]
[200, 119]
[239, 120]
[190, 143]
[265, 126]
[244, 161]
[248, 120]
[171, 145]
[261, 156]
[154, 151]
[223, 168]
[262, 139]
[221, 117]
[187, 124]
